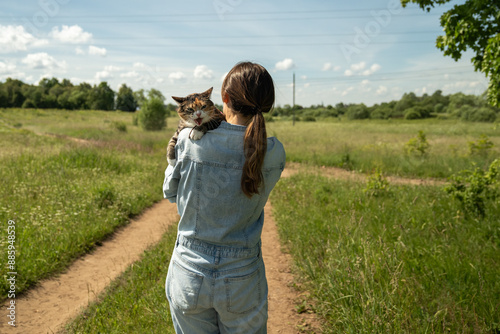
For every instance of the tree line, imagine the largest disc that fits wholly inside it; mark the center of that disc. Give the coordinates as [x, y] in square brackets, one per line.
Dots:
[55, 94]
[459, 106]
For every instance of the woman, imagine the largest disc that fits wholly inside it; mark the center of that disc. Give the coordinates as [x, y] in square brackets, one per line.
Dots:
[216, 280]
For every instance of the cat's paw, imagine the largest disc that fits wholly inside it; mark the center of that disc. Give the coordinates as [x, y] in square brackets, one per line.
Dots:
[171, 162]
[196, 134]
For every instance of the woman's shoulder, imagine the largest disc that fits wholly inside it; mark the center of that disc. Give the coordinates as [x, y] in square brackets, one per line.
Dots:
[275, 155]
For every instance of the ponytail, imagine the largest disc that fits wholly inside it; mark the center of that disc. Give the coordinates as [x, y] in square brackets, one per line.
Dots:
[250, 91]
[255, 147]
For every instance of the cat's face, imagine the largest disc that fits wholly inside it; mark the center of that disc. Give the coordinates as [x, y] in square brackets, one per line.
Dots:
[196, 109]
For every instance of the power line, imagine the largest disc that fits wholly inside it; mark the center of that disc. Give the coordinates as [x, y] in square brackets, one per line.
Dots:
[261, 36]
[205, 14]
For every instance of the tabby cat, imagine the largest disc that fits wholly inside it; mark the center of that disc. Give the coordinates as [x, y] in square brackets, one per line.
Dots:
[198, 112]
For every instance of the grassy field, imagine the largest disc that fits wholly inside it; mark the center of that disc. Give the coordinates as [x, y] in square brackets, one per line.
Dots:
[367, 145]
[408, 260]
[405, 261]
[65, 196]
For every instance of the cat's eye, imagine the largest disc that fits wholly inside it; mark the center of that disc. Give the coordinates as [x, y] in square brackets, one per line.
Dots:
[190, 109]
[203, 106]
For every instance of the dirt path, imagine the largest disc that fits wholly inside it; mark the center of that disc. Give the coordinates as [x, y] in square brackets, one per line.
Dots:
[54, 302]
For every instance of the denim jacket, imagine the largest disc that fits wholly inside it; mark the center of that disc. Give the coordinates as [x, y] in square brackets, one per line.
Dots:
[206, 185]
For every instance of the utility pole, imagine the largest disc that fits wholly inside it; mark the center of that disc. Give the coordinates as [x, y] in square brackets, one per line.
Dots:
[293, 106]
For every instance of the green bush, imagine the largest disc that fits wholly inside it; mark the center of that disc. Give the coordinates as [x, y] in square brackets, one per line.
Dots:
[481, 147]
[120, 126]
[358, 111]
[417, 113]
[152, 116]
[309, 119]
[376, 184]
[418, 145]
[474, 188]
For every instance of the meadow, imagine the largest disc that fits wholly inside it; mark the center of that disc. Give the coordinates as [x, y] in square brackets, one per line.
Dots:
[403, 259]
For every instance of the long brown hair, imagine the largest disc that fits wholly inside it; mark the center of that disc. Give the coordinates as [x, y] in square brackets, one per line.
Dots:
[250, 90]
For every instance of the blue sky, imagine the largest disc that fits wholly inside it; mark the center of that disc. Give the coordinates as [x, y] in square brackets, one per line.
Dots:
[367, 51]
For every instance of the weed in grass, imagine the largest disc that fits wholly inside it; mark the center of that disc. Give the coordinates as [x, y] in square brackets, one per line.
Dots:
[377, 184]
[417, 145]
[473, 188]
[120, 126]
[481, 147]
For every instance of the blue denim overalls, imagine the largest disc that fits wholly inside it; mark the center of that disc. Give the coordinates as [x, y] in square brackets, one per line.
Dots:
[216, 280]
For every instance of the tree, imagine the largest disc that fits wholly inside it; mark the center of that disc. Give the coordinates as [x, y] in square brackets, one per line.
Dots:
[102, 97]
[473, 25]
[125, 100]
[152, 115]
[139, 97]
[155, 93]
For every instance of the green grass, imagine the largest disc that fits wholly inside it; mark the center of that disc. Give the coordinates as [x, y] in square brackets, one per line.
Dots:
[368, 145]
[136, 301]
[406, 261]
[66, 197]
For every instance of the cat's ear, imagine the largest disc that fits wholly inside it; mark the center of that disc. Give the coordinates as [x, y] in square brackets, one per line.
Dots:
[179, 99]
[208, 92]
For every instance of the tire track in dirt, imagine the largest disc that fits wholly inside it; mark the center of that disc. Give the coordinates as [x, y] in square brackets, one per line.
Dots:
[53, 302]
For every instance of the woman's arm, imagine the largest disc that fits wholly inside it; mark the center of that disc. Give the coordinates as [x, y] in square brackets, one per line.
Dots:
[171, 182]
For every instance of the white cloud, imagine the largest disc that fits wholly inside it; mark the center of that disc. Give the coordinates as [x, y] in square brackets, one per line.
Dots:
[421, 91]
[112, 68]
[285, 64]
[358, 67]
[103, 76]
[42, 60]
[203, 72]
[177, 76]
[6, 68]
[96, 51]
[374, 68]
[139, 65]
[327, 67]
[131, 74]
[79, 51]
[73, 34]
[347, 91]
[381, 90]
[15, 38]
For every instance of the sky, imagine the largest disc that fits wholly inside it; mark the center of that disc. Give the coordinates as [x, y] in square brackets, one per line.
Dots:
[360, 51]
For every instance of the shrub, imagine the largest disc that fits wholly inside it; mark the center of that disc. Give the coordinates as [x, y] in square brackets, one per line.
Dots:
[439, 108]
[358, 111]
[120, 126]
[418, 144]
[309, 119]
[268, 118]
[376, 184]
[152, 116]
[473, 188]
[417, 113]
[481, 147]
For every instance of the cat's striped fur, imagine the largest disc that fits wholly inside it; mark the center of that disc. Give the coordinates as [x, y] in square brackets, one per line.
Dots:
[198, 112]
